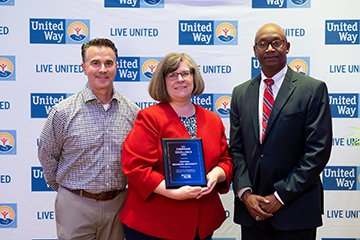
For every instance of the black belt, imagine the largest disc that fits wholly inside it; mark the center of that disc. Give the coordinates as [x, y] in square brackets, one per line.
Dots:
[103, 196]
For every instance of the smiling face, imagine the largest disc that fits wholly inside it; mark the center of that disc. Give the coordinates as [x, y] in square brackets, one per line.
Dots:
[180, 84]
[273, 58]
[100, 68]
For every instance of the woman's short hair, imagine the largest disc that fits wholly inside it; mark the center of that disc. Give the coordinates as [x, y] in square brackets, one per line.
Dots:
[169, 64]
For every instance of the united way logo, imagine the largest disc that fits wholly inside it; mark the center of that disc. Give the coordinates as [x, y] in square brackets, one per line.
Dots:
[344, 105]
[136, 69]
[299, 65]
[134, 3]
[207, 32]
[148, 68]
[345, 178]
[8, 216]
[59, 31]
[7, 2]
[342, 32]
[281, 3]
[225, 33]
[77, 31]
[217, 103]
[41, 103]
[222, 105]
[7, 142]
[7, 68]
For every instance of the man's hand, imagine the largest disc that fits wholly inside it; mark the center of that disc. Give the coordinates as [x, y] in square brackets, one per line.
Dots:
[254, 204]
[273, 204]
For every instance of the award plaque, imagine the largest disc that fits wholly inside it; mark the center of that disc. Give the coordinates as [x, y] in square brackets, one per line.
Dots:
[183, 162]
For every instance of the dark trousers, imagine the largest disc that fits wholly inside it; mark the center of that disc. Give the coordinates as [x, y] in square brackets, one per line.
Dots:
[256, 233]
[131, 234]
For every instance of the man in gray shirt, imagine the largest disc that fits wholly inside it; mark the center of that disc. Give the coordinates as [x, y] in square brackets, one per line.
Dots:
[80, 150]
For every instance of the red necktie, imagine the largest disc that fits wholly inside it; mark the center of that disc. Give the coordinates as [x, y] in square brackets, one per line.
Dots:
[268, 103]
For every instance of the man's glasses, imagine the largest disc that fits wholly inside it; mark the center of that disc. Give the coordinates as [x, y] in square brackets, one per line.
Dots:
[175, 76]
[263, 45]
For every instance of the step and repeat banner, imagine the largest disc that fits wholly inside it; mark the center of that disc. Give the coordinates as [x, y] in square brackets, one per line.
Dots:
[40, 61]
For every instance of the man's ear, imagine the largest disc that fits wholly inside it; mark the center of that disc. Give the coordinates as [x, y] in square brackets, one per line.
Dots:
[287, 47]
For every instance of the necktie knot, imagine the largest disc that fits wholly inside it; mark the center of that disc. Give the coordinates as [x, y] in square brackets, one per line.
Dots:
[269, 82]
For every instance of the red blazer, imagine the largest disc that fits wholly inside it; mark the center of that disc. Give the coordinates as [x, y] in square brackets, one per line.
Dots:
[142, 163]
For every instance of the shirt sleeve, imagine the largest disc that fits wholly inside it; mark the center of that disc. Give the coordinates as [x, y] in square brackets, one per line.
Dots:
[50, 148]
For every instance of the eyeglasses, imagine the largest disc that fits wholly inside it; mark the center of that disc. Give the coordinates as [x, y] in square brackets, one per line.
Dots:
[263, 45]
[175, 76]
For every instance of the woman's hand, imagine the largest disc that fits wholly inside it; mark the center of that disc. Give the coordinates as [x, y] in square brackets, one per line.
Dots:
[185, 192]
[216, 175]
[213, 177]
[182, 193]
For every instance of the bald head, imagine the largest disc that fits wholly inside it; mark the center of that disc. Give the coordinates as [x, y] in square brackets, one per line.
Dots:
[270, 28]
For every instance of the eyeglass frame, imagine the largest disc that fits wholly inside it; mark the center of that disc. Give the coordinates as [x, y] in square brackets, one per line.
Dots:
[283, 42]
[184, 75]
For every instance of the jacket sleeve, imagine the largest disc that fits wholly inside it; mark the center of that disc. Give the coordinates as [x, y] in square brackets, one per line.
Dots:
[241, 178]
[140, 155]
[317, 148]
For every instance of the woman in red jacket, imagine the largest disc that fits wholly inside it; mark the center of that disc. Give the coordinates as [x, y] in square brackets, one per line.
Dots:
[152, 211]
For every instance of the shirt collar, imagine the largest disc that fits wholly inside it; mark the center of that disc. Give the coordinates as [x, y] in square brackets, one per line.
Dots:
[89, 94]
[278, 77]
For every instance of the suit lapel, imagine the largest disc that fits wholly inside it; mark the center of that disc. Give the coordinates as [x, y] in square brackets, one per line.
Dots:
[254, 104]
[286, 90]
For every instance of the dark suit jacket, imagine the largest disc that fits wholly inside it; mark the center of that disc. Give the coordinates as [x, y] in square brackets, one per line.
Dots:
[295, 149]
[143, 165]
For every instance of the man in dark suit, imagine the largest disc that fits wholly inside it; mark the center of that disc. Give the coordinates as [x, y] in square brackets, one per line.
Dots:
[278, 158]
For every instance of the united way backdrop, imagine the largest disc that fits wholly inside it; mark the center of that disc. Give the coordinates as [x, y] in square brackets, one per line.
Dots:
[40, 66]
